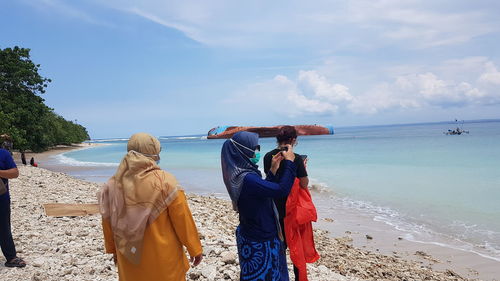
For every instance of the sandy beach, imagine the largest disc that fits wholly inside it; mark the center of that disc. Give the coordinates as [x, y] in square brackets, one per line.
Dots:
[71, 248]
[42, 157]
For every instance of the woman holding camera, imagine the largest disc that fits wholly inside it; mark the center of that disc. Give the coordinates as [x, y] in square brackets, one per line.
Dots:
[259, 235]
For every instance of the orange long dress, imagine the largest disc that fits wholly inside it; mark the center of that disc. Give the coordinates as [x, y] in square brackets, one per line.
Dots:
[163, 256]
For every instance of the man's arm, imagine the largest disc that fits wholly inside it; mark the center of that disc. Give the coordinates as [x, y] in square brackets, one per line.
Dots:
[304, 182]
[9, 174]
[302, 172]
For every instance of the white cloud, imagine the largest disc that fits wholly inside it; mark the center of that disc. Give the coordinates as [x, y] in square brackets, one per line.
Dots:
[313, 93]
[416, 91]
[287, 97]
[320, 25]
[188, 31]
[312, 81]
[422, 91]
[423, 24]
[491, 74]
[68, 10]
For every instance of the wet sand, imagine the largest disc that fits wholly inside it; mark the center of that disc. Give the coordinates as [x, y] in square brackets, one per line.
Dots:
[389, 241]
[43, 158]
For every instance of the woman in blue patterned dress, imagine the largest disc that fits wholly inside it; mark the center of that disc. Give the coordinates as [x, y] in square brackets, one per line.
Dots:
[259, 238]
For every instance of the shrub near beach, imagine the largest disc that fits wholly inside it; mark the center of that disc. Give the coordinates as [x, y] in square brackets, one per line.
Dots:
[23, 114]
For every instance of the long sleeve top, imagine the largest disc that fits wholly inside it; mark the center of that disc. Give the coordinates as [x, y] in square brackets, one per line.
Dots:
[163, 255]
[255, 204]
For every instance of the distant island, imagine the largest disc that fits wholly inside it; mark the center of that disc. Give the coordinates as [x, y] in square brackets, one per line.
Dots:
[225, 132]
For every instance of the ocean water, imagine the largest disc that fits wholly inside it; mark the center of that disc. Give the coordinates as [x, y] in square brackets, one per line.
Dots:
[432, 186]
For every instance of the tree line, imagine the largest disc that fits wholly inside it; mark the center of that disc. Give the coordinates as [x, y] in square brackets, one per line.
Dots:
[24, 117]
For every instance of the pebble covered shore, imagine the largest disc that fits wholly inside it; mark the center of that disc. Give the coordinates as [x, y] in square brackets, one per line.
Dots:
[71, 248]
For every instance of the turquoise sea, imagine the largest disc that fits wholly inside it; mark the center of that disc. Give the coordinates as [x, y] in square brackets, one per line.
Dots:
[411, 177]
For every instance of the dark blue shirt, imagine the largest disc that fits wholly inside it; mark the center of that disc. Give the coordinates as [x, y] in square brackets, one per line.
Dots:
[255, 205]
[6, 163]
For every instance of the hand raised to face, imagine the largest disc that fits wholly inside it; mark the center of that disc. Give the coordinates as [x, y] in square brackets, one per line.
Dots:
[289, 154]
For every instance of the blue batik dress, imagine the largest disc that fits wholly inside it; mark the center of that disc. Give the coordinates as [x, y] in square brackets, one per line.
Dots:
[260, 250]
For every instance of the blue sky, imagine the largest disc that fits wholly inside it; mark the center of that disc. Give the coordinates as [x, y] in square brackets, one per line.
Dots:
[183, 67]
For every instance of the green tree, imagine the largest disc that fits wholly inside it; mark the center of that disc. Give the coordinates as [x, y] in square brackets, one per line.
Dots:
[23, 114]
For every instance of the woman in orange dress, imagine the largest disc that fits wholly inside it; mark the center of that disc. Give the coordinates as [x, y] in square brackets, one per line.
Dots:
[145, 217]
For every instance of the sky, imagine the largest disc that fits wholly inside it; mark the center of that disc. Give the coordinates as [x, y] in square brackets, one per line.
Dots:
[184, 67]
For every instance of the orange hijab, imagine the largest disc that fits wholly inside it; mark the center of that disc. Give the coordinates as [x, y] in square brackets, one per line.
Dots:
[136, 195]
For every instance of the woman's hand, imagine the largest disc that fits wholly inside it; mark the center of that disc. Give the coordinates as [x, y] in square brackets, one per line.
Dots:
[289, 155]
[196, 260]
[275, 163]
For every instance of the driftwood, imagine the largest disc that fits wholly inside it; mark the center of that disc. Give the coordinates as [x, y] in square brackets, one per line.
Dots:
[70, 210]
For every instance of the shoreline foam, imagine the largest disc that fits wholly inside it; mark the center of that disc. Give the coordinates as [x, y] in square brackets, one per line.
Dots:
[409, 229]
[418, 233]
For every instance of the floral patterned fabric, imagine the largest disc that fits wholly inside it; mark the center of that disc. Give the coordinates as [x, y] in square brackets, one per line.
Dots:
[261, 260]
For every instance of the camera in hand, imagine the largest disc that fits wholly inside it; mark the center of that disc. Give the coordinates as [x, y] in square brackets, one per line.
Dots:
[284, 148]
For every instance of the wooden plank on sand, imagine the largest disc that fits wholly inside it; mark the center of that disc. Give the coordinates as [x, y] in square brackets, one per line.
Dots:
[65, 210]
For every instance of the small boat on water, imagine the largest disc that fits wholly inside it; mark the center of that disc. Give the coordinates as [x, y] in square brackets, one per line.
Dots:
[225, 132]
[458, 130]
